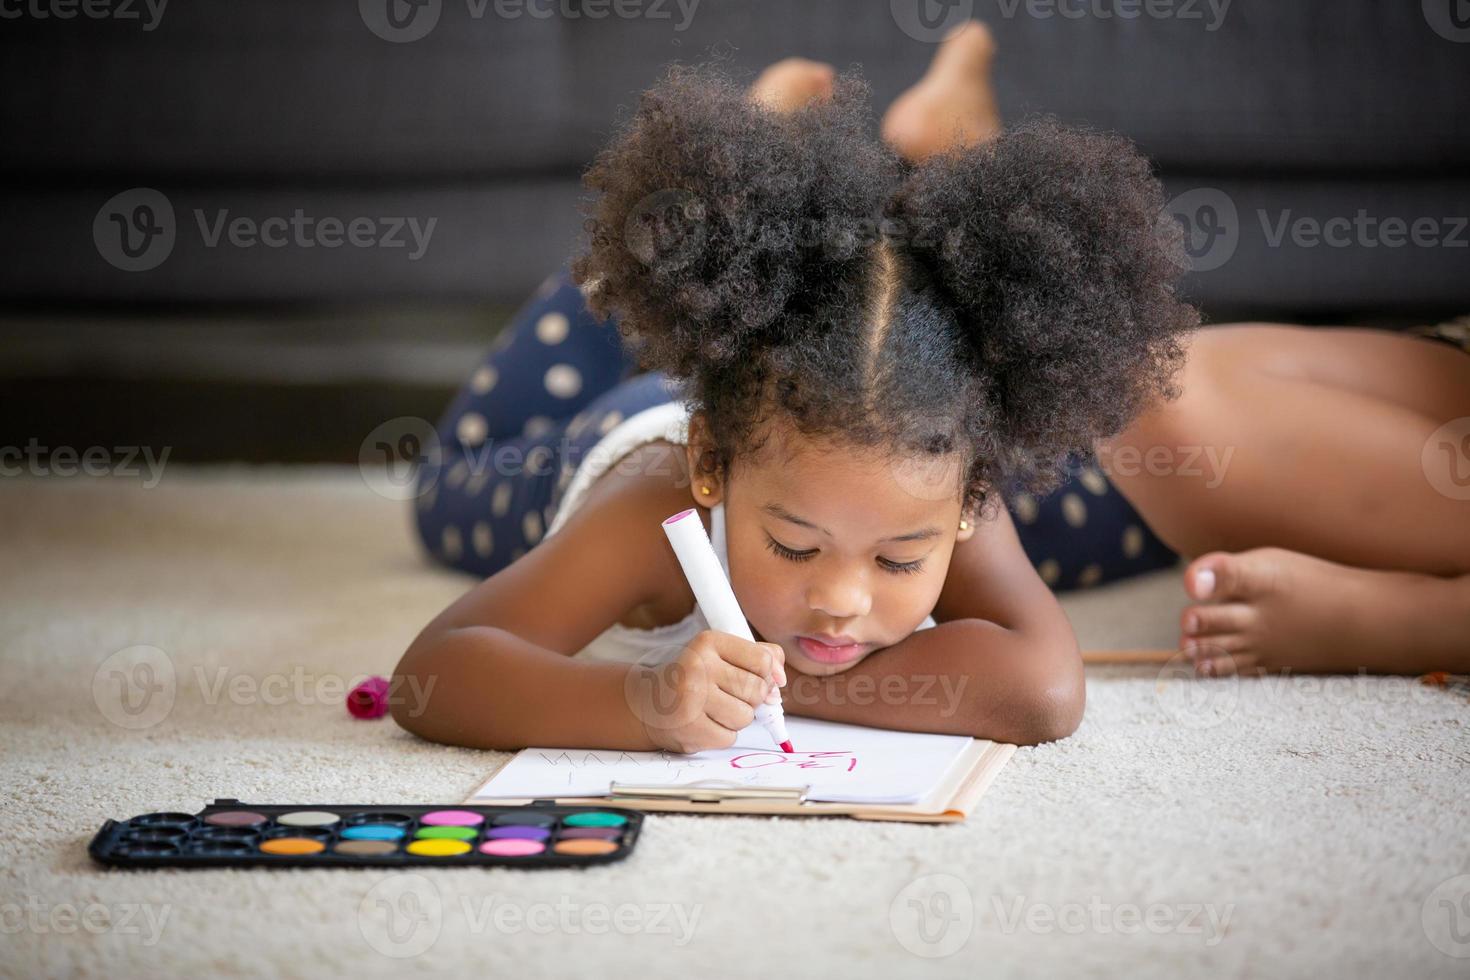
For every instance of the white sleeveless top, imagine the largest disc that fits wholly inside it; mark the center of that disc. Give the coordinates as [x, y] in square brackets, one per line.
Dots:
[669, 422]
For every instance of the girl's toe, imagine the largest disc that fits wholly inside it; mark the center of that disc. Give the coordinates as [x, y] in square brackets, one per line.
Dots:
[1227, 665]
[1210, 620]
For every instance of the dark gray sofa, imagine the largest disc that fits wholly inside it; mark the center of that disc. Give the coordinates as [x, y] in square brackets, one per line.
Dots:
[1309, 113]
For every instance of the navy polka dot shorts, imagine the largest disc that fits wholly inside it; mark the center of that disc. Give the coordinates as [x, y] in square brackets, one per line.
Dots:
[558, 379]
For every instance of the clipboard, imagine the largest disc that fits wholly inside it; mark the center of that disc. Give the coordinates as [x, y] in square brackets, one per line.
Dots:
[953, 799]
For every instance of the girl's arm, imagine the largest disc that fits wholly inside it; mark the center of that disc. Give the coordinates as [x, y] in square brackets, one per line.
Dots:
[494, 669]
[1001, 664]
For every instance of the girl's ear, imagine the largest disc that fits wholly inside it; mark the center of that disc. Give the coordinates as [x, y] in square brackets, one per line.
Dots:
[967, 526]
[706, 484]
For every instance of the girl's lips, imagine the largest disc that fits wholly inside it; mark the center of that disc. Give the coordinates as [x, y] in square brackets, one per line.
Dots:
[823, 653]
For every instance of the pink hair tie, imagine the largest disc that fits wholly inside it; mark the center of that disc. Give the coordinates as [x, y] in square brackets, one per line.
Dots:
[369, 699]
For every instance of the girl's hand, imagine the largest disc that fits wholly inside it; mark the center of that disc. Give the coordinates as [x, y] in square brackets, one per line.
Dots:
[702, 699]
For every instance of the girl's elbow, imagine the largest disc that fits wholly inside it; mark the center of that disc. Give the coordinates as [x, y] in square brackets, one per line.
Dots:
[1044, 705]
[1051, 713]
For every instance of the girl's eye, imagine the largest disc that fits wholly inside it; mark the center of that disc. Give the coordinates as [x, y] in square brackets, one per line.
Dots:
[903, 567]
[898, 567]
[785, 552]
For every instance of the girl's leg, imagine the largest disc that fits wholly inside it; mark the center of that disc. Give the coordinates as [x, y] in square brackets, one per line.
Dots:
[500, 441]
[1310, 447]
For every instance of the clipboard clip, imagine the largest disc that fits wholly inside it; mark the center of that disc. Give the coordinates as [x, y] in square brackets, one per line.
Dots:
[708, 791]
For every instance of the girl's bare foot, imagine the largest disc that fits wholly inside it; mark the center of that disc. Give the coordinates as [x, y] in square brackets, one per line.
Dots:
[1275, 610]
[953, 105]
[791, 83]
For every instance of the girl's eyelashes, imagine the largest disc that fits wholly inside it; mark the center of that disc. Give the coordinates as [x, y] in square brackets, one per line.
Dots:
[790, 554]
[904, 567]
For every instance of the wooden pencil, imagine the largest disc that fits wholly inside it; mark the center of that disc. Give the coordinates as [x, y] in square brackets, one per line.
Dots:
[1128, 656]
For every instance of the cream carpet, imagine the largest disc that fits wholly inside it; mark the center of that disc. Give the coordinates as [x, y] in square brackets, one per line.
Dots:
[1222, 828]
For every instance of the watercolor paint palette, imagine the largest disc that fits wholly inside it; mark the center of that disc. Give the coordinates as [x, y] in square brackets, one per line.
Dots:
[228, 833]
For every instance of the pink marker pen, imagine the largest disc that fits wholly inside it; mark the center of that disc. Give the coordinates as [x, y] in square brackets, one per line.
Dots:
[717, 601]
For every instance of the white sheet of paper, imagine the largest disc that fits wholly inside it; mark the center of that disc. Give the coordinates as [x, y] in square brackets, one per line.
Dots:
[840, 764]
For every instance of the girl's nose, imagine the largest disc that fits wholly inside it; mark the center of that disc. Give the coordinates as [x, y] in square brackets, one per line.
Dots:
[844, 598]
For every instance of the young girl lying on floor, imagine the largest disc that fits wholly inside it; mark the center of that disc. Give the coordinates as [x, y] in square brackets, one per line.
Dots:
[844, 400]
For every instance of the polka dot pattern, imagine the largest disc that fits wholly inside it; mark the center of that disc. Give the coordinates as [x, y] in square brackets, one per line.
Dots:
[557, 380]
[451, 543]
[484, 379]
[563, 380]
[1085, 533]
[500, 499]
[552, 328]
[483, 538]
[471, 429]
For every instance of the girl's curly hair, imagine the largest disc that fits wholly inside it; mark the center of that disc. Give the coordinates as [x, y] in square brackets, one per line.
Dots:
[1012, 302]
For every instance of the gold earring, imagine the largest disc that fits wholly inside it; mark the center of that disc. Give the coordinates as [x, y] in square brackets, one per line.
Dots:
[964, 525]
[704, 490]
